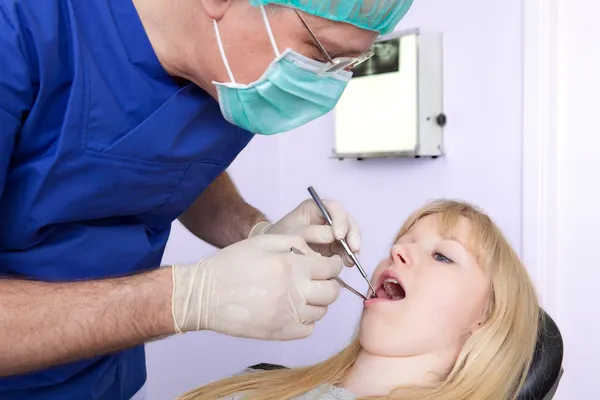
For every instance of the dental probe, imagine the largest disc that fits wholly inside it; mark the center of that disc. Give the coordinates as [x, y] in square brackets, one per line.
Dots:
[339, 280]
[352, 256]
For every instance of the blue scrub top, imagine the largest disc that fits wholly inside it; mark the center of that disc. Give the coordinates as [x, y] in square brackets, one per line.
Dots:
[100, 150]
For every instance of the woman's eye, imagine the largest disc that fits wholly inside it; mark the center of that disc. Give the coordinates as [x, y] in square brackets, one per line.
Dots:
[441, 258]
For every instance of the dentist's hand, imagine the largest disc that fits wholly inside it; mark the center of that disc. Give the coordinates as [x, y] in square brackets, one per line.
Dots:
[308, 222]
[256, 289]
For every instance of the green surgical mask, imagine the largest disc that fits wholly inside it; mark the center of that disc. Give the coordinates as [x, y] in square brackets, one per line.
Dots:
[290, 93]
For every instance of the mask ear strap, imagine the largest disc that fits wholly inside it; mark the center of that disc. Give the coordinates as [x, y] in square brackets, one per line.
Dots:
[223, 56]
[269, 31]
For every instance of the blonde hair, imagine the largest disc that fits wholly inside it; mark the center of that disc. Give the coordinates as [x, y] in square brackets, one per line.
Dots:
[493, 362]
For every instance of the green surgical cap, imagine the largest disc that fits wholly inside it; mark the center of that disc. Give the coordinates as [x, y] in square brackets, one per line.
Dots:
[374, 15]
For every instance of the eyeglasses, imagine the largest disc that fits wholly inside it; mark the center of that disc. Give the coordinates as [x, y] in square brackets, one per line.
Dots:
[338, 63]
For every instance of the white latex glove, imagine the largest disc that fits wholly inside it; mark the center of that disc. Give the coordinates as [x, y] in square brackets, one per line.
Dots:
[256, 289]
[308, 222]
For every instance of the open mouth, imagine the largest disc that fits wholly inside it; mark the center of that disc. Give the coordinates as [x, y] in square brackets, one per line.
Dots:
[390, 288]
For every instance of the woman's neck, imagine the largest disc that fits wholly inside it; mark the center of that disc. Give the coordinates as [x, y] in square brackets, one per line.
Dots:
[375, 375]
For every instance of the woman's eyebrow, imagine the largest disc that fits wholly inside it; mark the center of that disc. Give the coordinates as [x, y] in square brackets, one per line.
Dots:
[455, 239]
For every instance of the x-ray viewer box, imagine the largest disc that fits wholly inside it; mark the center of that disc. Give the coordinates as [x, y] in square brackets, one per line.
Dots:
[393, 105]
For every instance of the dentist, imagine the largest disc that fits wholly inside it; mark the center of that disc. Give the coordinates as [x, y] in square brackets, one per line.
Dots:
[118, 117]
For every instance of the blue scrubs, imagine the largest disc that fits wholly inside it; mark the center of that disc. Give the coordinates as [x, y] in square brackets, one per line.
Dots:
[100, 150]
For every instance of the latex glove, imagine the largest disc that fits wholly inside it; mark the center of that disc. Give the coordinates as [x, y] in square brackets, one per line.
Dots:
[256, 289]
[308, 222]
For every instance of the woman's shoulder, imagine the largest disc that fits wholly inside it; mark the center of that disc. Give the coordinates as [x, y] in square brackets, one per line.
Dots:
[328, 391]
[250, 370]
[323, 392]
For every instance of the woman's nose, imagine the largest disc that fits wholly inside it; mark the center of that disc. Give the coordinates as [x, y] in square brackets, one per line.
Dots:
[400, 255]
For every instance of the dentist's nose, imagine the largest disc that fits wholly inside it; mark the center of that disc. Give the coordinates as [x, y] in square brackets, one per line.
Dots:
[400, 255]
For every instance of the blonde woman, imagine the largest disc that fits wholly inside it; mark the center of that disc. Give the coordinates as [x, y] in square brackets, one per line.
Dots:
[456, 318]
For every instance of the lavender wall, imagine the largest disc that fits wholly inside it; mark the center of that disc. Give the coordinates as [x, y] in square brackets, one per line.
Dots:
[483, 91]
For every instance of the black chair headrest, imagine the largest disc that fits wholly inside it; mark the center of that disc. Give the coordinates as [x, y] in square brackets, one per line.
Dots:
[546, 367]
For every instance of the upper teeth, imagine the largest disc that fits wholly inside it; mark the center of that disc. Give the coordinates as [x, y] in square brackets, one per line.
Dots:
[392, 280]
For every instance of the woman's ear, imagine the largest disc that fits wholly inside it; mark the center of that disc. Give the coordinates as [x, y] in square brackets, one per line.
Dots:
[483, 318]
[476, 326]
[215, 9]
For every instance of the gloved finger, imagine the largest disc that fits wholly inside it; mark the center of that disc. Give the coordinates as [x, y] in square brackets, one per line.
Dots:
[316, 234]
[306, 330]
[336, 248]
[299, 330]
[310, 314]
[283, 243]
[322, 268]
[353, 237]
[339, 216]
[322, 293]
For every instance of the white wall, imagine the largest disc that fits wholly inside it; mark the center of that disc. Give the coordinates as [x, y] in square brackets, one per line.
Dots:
[483, 90]
[561, 140]
[578, 215]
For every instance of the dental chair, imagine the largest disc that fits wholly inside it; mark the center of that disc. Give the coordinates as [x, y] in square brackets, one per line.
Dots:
[545, 371]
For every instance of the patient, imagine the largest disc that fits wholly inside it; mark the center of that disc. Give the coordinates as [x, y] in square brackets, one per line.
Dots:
[455, 317]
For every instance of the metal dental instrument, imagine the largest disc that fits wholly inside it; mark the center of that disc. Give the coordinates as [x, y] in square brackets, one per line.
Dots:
[296, 251]
[352, 256]
[339, 280]
[350, 288]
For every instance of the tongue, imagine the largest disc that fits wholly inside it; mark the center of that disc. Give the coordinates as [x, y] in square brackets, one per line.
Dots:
[394, 291]
[382, 294]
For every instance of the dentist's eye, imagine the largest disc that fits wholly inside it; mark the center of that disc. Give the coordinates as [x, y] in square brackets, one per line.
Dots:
[317, 55]
[441, 258]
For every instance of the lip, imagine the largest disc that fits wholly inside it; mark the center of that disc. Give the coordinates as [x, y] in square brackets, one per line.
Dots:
[386, 274]
[374, 300]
